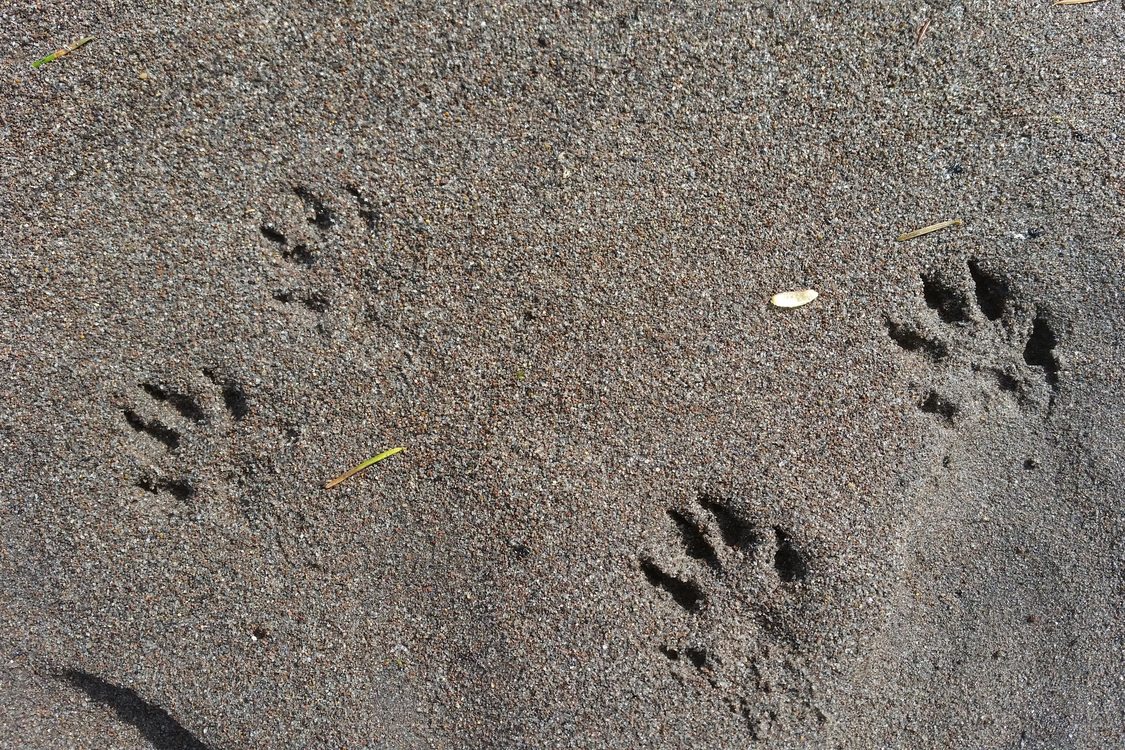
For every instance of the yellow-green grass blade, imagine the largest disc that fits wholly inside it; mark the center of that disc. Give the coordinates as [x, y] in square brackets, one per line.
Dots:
[355, 470]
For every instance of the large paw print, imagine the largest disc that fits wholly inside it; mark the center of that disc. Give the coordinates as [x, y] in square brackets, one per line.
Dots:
[168, 416]
[736, 582]
[976, 327]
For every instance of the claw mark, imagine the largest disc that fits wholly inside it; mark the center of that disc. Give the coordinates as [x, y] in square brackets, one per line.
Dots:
[180, 489]
[323, 217]
[736, 532]
[299, 253]
[1004, 381]
[1040, 350]
[686, 593]
[367, 210]
[992, 292]
[314, 301]
[234, 398]
[695, 543]
[187, 406]
[154, 428]
[155, 724]
[935, 404]
[273, 235]
[697, 656]
[943, 299]
[913, 341]
[790, 563]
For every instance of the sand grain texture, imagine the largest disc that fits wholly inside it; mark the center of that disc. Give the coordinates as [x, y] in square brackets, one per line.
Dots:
[245, 249]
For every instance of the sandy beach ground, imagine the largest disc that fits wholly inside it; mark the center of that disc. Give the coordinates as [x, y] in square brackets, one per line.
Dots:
[247, 246]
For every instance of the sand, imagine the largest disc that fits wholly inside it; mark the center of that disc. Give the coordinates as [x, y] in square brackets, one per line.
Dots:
[245, 248]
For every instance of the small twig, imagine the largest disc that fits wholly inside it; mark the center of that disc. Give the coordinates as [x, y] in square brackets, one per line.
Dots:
[369, 462]
[1075, 2]
[922, 32]
[64, 51]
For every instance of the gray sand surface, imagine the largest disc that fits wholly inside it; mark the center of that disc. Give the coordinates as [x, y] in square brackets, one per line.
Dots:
[246, 246]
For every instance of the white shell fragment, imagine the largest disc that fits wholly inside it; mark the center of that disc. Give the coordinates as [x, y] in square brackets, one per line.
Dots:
[794, 299]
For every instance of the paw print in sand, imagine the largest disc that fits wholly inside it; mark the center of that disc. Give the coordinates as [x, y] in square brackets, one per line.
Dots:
[301, 236]
[983, 340]
[174, 420]
[735, 583]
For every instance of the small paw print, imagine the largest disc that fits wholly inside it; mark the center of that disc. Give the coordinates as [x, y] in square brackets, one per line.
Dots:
[301, 238]
[167, 415]
[737, 582]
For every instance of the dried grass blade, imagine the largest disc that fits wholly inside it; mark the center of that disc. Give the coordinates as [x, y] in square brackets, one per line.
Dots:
[355, 470]
[927, 230]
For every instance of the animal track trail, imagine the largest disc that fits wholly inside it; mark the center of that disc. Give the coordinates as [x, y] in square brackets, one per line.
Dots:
[171, 417]
[982, 342]
[738, 584]
[301, 238]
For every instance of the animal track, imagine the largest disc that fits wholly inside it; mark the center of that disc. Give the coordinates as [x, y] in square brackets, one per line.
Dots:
[976, 326]
[322, 217]
[302, 243]
[168, 415]
[736, 581]
[314, 301]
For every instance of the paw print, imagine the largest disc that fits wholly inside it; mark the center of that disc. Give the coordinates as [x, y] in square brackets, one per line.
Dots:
[302, 241]
[168, 417]
[736, 583]
[983, 341]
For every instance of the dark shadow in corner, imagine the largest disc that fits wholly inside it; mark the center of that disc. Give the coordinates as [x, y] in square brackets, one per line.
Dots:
[154, 723]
